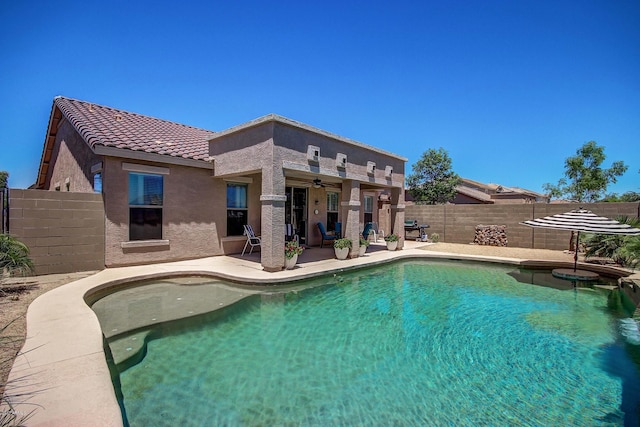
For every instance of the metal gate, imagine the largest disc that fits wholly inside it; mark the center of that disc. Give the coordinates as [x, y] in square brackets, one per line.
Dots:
[4, 210]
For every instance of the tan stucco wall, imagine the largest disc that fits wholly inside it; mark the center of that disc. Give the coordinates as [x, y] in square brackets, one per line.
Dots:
[294, 142]
[64, 231]
[194, 215]
[72, 160]
[456, 223]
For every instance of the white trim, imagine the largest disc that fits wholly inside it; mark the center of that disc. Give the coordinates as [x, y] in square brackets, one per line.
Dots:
[351, 203]
[134, 167]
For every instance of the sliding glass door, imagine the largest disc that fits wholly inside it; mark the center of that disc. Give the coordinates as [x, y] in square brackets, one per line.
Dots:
[296, 211]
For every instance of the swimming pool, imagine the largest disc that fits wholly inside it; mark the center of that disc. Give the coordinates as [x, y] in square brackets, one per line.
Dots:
[410, 343]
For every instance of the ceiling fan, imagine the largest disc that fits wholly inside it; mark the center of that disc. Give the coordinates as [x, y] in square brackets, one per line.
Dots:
[317, 183]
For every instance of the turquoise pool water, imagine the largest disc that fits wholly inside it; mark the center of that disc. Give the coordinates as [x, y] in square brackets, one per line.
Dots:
[414, 343]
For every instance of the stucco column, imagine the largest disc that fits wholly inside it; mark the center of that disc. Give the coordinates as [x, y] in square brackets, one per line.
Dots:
[273, 198]
[350, 206]
[384, 213]
[397, 214]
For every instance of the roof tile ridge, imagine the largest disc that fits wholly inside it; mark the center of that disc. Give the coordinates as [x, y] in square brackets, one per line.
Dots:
[78, 123]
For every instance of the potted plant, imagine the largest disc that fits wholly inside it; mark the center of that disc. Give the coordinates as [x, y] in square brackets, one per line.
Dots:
[392, 241]
[291, 251]
[435, 237]
[342, 248]
[363, 246]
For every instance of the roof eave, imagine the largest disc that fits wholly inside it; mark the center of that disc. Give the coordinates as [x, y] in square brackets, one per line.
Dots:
[150, 157]
[49, 142]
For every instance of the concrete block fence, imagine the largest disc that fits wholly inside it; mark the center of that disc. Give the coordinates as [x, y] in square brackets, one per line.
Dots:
[64, 231]
[457, 223]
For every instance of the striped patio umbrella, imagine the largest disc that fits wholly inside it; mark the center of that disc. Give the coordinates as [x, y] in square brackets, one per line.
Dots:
[582, 220]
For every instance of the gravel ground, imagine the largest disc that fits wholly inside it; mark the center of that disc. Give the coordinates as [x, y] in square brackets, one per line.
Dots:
[522, 253]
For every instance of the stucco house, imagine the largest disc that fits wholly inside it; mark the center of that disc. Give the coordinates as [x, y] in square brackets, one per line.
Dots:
[474, 192]
[174, 192]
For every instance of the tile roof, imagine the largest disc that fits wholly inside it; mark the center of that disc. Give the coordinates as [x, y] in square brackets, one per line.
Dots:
[109, 127]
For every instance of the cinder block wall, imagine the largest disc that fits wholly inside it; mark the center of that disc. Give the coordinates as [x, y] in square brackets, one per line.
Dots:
[456, 223]
[64, 231]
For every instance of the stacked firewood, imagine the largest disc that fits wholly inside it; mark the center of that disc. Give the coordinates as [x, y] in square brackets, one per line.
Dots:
[491, 235]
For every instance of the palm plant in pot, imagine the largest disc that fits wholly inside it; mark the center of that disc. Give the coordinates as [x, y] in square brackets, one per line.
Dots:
[392, 241]
[364, 243]
[291, 251]
[342, 247]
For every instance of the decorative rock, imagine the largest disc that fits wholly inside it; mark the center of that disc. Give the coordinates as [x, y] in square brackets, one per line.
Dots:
[491, 235]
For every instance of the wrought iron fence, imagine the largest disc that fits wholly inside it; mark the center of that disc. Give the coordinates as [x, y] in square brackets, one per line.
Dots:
[4, 210]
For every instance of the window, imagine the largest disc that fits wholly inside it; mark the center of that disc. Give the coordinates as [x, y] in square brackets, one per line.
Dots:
[368, 209]
[236, 209]
[145, 206]
[332, 211]
[97, 182]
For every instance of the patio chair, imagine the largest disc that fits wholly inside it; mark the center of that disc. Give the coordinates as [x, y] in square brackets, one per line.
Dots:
[290, 233]
[252, 239]
[367, 229]
[325, 236]
[376, 231]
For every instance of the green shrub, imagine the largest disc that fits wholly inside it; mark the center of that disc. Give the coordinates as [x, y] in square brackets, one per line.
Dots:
[14, 257]
[342, 243]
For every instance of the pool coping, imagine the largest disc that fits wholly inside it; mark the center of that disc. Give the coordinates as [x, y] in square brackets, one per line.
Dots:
[62, 370]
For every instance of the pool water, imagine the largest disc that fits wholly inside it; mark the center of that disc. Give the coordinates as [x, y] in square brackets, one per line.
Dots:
[413, 343]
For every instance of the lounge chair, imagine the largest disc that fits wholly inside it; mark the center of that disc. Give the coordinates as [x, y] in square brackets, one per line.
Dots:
[252, 239]
[325, 236]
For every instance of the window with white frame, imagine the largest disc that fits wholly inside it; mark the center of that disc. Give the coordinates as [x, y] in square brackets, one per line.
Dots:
[368, 209]
[332, 210]
[145, 206]
[237, 208]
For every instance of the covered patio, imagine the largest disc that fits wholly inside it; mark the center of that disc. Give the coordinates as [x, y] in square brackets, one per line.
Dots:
[295, 174]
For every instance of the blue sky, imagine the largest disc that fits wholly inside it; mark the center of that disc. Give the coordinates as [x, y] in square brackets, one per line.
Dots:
[509, 88]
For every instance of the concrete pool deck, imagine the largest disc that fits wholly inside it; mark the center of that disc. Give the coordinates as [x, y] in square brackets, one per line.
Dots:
[62, 367]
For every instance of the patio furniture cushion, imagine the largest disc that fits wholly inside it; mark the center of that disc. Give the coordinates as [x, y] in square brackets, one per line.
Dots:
[325, 236]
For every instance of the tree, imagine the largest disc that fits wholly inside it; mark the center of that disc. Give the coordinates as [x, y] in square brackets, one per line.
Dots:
[433, 181]
[585, 180]
[4, 179]
[629, 196]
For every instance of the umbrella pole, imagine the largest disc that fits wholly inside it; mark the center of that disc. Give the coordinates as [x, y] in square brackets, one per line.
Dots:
[575, 252]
